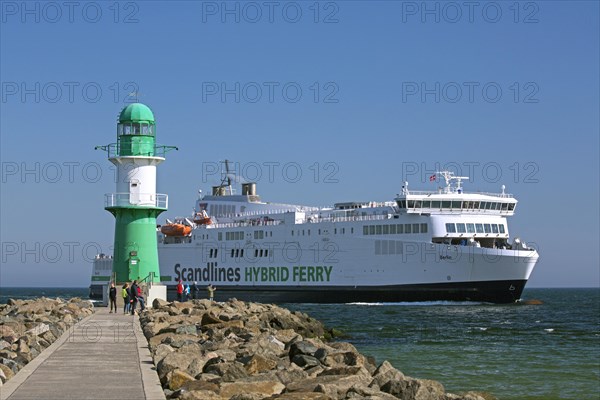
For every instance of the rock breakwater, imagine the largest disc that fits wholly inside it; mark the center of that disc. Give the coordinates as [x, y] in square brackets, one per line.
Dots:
[248, 351]
[27, 327]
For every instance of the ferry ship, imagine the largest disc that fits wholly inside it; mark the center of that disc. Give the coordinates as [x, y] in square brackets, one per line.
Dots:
[441, 245]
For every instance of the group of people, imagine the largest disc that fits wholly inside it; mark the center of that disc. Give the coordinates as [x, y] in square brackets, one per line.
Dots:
[184, 293]
[132, 295]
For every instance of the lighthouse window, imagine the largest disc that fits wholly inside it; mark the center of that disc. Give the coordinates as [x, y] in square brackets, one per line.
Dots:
[407, 228]
[501, 228]
[423, 228]
[450, 228]
[487, 228]
[494, 228]
[460, 228]
[470, 228]
[479, 228]
[435, 204]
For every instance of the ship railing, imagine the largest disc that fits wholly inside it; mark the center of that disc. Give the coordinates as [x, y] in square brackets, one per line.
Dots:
[157, 200]
[239, 224]
[430, 192]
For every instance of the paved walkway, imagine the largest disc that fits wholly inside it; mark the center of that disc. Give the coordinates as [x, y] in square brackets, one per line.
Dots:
[105, 356]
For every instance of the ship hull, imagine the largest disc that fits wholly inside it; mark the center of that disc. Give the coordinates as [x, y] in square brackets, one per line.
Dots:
[485, 291]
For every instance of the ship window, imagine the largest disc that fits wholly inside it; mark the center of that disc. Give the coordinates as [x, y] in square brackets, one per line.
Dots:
[460, 228]
[494, 228]
[378, 229]
[501, 228]
[435, 204]
[261, 252]
[487, 205]
[450, 228]
[407, 228]
[384, 247]
[401, 204]
[351, 230]
[511, 206]
[237, 252]
[423, 228]
[393, 229]
[476, 205]
[487, 228]
[470, 228]
[255, 253]
[496, 206]
[232, 251]
[386, 229]
[456, 204]
[365, 230]
[504, 206]
[415, 228]
[242, 253]
[216, 251]
[427, 204]
[210, 253]
[220, 236]
[479, 228]
[292, 232]
[378, 247]
[418, 204]
[446, 204]
[371, 229]
[309, 232]
[399, 228]
[343, 231]
[411, 204]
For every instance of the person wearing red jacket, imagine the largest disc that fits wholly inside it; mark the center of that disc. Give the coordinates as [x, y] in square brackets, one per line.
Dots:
[180, 291]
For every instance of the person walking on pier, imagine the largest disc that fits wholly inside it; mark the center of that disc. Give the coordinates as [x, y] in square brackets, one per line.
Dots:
[180, 291]
[133, 301]
[211, 291]
[195, 291]
[125, 295]
[112, 296]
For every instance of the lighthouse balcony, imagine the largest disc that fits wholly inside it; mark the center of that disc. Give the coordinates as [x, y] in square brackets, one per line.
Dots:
[154, 200]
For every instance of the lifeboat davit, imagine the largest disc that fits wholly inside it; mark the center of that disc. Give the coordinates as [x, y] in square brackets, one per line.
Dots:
[176, 230]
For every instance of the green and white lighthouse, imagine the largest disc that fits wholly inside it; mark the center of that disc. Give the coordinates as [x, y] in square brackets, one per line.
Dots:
[135, 205]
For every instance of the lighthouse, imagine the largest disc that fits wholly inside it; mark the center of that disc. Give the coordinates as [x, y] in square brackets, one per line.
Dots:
[136, 204]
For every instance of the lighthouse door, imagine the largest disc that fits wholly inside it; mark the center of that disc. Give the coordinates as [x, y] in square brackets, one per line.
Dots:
[134, 191]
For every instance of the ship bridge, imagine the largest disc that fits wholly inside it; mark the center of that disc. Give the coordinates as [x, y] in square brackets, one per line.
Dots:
[451, 199]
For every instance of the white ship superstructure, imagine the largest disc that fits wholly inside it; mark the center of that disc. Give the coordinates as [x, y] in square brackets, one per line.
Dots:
[424, 245]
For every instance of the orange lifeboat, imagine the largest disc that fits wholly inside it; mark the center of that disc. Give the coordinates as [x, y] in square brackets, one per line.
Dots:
[176, 230]
[202, 218]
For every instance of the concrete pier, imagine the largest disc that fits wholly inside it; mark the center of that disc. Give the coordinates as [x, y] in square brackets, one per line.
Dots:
[105, 356]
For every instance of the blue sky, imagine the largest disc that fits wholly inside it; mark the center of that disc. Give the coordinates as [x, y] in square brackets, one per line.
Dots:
[366, 93]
